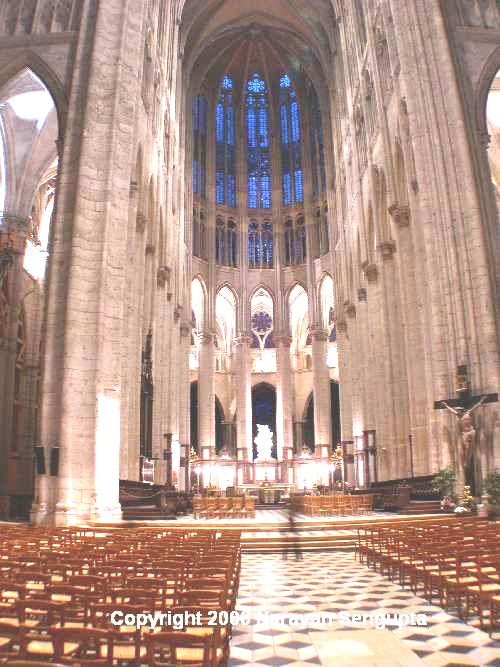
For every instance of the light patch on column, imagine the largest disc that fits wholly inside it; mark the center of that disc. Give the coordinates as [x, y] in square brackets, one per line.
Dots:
[107, 451]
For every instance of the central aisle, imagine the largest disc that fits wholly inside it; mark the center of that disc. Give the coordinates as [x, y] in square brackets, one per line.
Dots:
[332, 582]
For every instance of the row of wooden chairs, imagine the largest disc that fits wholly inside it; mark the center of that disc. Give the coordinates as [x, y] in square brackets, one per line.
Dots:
[457, 561]
[239, 507]
[335, 505]
[58, 590]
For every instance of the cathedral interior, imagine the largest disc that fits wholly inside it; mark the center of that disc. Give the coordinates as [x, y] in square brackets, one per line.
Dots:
[250, 274]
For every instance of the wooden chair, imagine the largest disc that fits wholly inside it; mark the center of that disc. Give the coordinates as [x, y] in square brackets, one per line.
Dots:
[88, 646]
[182, 648]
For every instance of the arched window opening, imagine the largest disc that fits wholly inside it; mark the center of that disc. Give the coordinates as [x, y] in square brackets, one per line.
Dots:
[291, 150]
[258, 144]
[493, 124]
[225, 169]
[295, 242]
[226, 243]
[225, 310]
[199, 145]
[260, 245]
[298, 309]
[262, 319]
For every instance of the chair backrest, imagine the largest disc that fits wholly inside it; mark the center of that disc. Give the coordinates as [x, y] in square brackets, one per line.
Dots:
[182, 647]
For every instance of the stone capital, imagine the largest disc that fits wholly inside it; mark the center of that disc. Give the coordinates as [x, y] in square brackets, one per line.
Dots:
[371, 272]
[243, 339]
[342, 326]
[162, 276]
[400, 214]
[349, 309]
[387, 249]
[282, 339]
[319, 334]
[206, 337]
[186, 328]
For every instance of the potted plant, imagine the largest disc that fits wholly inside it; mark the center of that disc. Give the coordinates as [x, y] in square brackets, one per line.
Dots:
[444, 482]
[491, 487]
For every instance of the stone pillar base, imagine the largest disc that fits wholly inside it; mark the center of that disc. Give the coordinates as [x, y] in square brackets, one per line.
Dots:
[71, 515]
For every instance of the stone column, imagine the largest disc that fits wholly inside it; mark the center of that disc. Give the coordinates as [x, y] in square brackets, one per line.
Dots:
[184, 401]
[227, 436]
[321, 389]
[299, 436]
[284, 404]
[206, 405]
[243, 409]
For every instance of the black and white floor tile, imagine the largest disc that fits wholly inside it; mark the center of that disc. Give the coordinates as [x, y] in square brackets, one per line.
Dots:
[335, 581]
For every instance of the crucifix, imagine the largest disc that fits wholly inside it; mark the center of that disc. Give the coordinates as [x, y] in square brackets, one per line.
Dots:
[463, 408]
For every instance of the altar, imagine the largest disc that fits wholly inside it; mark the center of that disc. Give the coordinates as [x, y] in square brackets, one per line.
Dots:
[267, 494]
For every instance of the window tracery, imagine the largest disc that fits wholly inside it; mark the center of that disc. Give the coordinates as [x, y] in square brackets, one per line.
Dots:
[291, 150]
[260, 245]
[295, 241]
[258, 144]
[226, 242]
[225, 157]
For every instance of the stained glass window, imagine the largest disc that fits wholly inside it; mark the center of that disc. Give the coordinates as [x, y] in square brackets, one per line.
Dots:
[317, 148]
[260, 245]
[225, 180]
[291, 150]
[200, 144]
[258, 144]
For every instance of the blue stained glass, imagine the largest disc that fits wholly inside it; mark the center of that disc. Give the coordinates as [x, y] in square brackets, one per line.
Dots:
[266, 191]
[252, 191]
[227, 82]
[294, 109]
[230, 125]
[219, 187]
[284, 124]
[285, 81]
[231, 191]
[299, 188]
[287, 190]
[291, 159]
[195, 175]
[263, 128]
[256, 84]
[219, 121]
[252, 134]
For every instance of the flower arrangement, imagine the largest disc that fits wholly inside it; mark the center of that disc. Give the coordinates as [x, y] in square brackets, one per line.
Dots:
[348, 487]
[448, 504]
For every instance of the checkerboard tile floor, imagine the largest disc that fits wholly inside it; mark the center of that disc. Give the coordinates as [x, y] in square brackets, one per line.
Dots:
[332, 582]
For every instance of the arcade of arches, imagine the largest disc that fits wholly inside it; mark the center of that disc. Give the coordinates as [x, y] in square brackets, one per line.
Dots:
[227, 222]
